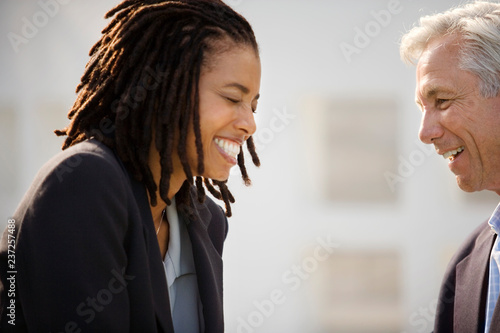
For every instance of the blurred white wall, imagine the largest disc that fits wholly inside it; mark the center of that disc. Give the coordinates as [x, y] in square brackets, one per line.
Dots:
[282, 218]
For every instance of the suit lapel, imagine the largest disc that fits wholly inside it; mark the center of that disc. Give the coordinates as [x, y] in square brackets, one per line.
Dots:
[208, 265]
[495, 320]
[157, 270]
[472, 286]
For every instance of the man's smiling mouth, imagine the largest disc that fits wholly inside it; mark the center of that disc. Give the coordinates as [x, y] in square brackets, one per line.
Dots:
[452, 154]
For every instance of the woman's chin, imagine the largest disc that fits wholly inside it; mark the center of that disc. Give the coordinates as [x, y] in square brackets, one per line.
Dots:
[220, 176]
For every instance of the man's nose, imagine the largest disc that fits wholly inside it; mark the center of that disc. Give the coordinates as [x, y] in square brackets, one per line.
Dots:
[430, 127]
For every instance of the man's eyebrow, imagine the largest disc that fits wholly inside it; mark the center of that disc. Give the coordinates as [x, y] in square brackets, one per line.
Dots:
[426, 94]
[241, 87]
[433, 91]
[429, 93]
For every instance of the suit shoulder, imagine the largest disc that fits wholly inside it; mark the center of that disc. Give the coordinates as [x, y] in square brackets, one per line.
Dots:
[468, 245]
[86, 168]
[85, 156]
[86, 164]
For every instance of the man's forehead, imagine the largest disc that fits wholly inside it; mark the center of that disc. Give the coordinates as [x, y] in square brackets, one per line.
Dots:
[438, 62]
[440, 49]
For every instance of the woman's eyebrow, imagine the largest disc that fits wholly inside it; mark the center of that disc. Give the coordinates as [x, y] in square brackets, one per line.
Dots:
[241, 87]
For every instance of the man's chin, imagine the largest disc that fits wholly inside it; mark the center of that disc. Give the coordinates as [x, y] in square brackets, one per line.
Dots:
[467, 185]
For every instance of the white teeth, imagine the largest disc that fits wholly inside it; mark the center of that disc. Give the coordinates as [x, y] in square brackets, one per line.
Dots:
[451, 153]
[229, 147]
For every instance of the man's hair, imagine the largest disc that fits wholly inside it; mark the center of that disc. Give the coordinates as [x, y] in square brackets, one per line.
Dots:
[142, 79]
[477, 25]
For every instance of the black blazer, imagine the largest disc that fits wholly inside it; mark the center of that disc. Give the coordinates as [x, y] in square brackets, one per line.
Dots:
[462, 299]
[87, 258]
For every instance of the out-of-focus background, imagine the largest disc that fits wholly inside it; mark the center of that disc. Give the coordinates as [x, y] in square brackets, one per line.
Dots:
[350, 221]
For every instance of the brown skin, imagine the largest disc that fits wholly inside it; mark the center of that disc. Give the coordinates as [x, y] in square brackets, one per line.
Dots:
[229, 90]
[455, 114]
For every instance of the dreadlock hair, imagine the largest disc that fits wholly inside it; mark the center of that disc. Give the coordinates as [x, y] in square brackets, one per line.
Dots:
[142, 78]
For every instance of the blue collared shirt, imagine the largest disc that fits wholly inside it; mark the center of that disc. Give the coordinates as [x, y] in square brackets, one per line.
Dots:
[494, 275]
[494, 221]
[185, 303]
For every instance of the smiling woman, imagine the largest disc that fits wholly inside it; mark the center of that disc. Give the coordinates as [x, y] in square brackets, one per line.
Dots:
[116, 233]
[228, 98]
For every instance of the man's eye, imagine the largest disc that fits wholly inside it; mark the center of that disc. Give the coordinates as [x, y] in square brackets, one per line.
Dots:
[442, 102]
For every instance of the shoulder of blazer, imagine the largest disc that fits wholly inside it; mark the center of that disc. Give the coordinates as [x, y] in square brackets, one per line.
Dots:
[467, 247]
[83, 157]
[472, 241]
[84, 179]
[82, 192]
[471, 247]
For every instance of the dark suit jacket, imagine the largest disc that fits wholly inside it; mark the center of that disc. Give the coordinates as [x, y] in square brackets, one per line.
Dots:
[87, 258]
[462, 299]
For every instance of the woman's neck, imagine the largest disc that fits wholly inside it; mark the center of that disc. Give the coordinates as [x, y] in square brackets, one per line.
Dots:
[177, 178]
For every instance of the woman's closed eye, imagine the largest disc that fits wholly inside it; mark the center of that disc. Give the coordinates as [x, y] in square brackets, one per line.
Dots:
[237, 101]
[233, 100]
